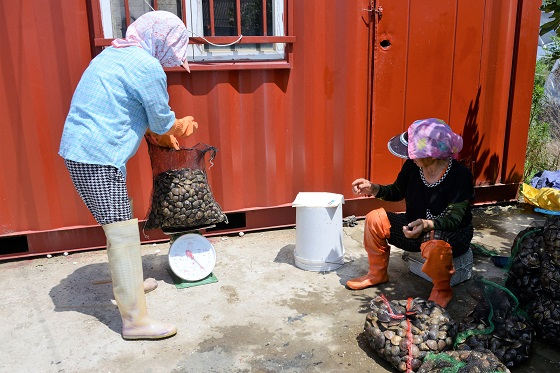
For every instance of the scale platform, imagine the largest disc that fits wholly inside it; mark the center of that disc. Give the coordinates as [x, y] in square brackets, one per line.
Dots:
[177, 232]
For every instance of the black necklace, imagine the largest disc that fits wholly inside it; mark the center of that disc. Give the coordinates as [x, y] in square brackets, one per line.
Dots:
[440, 179]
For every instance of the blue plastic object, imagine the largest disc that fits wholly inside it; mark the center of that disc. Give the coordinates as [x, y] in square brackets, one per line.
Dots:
[500, 261]
[547, 212]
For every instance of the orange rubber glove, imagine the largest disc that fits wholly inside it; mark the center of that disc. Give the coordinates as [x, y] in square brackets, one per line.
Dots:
[183, 127]
[166, 141]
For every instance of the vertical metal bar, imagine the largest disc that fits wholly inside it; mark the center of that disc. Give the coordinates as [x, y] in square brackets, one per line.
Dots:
[238, 15]
[285, 18]
[265, 28]
[288, 29]
[155, 5]
[127, 12]
[372, 38]
[96, 26]
[212, 23]
[184, 12]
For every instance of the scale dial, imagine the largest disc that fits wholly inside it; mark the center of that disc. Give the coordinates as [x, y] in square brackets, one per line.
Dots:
[192, 257]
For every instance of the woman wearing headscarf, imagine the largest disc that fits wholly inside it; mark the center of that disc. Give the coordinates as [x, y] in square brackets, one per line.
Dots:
[121, 96]
[438, 222]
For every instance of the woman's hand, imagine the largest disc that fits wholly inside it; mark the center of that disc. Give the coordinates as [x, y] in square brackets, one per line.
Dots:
[415, 228]
[183, 127]
[166, 141]
[363, 186]
[189, 126]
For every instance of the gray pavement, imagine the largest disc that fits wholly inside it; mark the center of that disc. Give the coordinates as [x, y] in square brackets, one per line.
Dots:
[263, 315]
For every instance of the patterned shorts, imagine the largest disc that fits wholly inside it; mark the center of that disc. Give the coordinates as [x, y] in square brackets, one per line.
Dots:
[103, 190]
[459, 239]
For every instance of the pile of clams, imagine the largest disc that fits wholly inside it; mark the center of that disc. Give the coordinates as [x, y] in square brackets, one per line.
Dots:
[534, 276]
[404, 331]
[182, 199]
[499, 329]
[524, 275]
[545, 313]
[462, 361]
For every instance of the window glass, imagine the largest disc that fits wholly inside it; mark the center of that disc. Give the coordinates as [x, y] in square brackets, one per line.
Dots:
[139, 7]
[113, 13]
[226, 24]
[173, 6]
[225, 17]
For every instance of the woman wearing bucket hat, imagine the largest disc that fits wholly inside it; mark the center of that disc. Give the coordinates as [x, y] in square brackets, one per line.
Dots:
[438, 222]
[121, 96]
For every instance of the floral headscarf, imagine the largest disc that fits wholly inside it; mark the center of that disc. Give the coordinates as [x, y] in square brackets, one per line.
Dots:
[433, 138]
[160, 33]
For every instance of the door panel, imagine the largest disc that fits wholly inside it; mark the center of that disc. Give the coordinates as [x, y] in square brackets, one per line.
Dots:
[451, 60]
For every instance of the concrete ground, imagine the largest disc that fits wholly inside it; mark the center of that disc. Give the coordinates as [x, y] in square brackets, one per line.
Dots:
[263, 315]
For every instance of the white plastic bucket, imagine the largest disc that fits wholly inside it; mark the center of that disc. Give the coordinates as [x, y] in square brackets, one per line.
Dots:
[319, 236]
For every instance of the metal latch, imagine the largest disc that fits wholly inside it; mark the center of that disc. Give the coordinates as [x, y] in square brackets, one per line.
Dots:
[378, 10]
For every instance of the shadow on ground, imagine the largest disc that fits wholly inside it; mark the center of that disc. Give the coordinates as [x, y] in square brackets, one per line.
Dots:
[88, 290]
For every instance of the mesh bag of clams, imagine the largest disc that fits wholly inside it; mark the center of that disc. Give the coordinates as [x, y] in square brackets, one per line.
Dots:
[524, 267]
[462, 362]
[534, 276]
[404, 331]
[181, 195]
[496, 324]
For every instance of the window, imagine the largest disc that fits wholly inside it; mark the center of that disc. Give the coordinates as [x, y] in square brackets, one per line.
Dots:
[220, 30]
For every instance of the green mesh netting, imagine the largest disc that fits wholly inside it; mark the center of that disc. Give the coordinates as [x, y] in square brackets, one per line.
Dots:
[496, 325]
[534, 277]
[462, 362]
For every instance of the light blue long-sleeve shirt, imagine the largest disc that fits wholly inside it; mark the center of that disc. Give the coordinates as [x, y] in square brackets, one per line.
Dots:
[122, 93]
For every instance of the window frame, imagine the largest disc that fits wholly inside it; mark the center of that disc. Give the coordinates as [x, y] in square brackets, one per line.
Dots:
[98, 42]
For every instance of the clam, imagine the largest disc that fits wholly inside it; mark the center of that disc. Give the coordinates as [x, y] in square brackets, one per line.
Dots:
[396, 340]
[389, 334]
[432, 344]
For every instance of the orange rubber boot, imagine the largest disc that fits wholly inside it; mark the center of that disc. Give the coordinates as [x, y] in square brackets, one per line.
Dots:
[376, 233]
[439, 266]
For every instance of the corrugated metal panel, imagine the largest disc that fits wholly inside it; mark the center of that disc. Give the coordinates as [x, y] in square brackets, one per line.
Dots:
[283, 131]
[459, 68]
[46, 48]
[523, 71]
[279, 131]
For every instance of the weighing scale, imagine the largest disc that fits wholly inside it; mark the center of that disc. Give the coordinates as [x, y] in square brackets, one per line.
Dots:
[191, 257]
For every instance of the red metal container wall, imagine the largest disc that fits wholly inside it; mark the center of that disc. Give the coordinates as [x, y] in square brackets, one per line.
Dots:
[278, 132]
[455, 60]
[522, 75]
[46, 48]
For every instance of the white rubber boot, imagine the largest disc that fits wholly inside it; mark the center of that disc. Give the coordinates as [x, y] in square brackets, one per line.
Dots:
[150, 284]
[123, 250]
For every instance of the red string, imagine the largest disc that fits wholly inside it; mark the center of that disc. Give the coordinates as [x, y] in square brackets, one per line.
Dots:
[390, 312]
[409, 338]
[407, 315]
